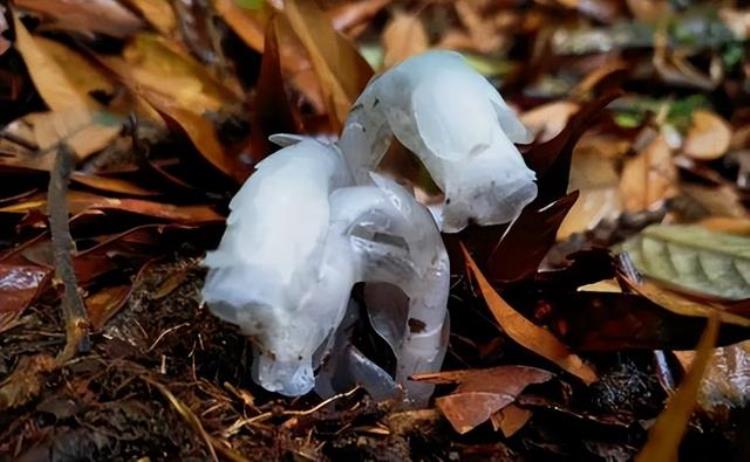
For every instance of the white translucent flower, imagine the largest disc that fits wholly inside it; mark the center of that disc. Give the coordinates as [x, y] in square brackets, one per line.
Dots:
[457, 124]
[298, 238]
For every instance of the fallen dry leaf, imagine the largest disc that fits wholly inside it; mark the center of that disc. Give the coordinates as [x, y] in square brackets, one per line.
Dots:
[152, 62]
[548, 120]
[510, 419]
[159, 13]
[528, 240]
[594, 175]
[341, 70]
[352, 14]
[273, 110]
[101, 16]
[50, 80]
[403, 36]
[201, 133]
[250, 26]
[19, 284]
[664, 437]
[64, 80]
[526, 333]
[80, 202]
[26, 380]
[112, 184]
[105, 303]
[708, 137]
[481, 392]
[650, 177]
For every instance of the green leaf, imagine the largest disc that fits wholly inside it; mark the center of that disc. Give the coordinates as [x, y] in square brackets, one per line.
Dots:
[694, 259]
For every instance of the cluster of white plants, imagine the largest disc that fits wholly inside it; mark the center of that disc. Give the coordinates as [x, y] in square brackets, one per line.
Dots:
[316, 218]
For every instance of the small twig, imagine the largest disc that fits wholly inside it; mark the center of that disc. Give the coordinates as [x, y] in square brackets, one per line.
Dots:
[74, 311]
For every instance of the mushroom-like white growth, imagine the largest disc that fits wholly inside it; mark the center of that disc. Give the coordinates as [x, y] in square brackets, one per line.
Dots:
[455, 121]
[297, 240]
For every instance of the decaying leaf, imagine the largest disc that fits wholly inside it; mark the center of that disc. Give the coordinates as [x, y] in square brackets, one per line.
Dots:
[481, 393]
[694, 259]
[26, 381]
[708, 137]
[404, 36]
[725, 384]
[664, 437]
[528, 334]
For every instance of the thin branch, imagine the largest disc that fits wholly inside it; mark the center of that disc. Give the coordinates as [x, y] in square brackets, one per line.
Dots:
[74, 311]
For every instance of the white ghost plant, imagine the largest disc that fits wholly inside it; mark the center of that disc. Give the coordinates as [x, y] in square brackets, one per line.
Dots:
[458, 125]
[298, 238]
[314, 220]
